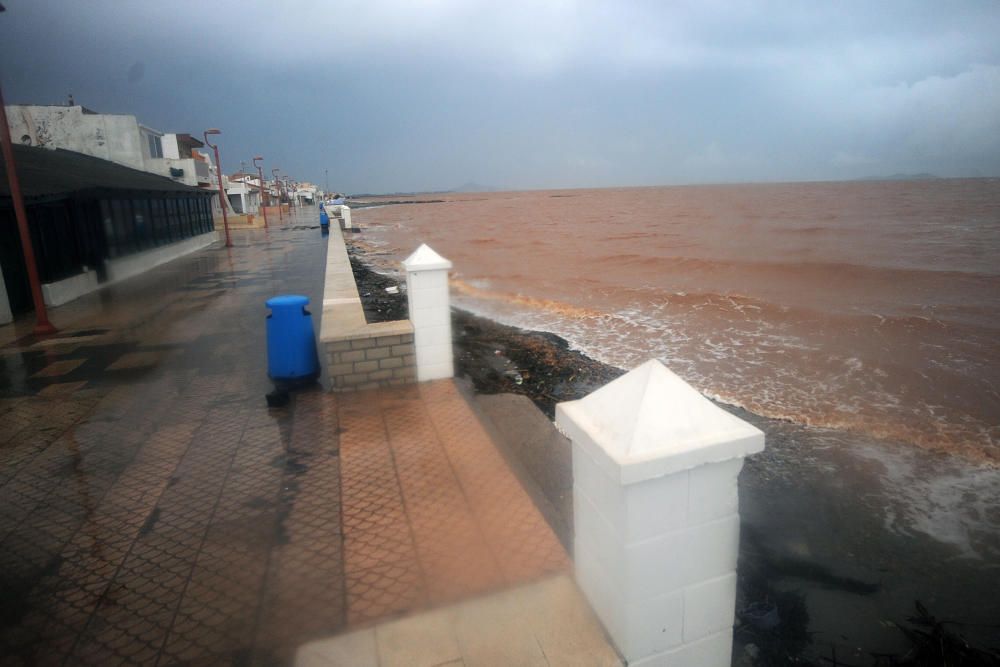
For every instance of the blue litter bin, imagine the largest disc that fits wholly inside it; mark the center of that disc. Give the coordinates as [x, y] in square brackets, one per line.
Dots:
[324, 219]
[291, 342]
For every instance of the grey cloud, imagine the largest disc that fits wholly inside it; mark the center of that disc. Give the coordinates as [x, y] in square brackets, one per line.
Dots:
[409, 96]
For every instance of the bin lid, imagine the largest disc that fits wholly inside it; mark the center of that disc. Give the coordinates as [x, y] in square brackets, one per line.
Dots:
[287, 301]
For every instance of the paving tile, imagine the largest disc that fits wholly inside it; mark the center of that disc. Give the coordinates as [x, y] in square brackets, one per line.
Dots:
[383, 590]
[136, 360]
[57, 368]
[357, 649]
[171, 517]
[62, 389]
[387, 540]
[425, 639]
[493, 631]
[564, 625]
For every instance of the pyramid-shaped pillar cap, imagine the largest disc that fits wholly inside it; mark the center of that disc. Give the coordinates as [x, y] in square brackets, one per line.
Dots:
[649, 423]
[425, 258]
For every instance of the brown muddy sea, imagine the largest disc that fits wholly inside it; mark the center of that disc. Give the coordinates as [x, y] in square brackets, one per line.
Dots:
[857, 323]
[871, 307]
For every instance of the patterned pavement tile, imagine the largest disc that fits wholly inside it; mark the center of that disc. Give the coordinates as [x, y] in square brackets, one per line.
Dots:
[391, 543]
[304, 593]
[161, 514]
[419, 455]
[57, 368]
[136, 360]
[383, 590]
[58, 389]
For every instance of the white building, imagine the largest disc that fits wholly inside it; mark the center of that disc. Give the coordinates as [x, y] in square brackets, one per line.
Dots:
[305, 194]
[115, 137]
[181, 162]
[243, 191]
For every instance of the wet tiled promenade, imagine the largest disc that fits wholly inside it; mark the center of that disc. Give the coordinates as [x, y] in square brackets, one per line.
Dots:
[154, 511]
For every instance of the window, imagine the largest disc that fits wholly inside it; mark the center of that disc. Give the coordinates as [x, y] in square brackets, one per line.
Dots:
[143, 226]
[109, 230]
[124, 232]
[182, 208]
[207, 224]
[155, 145]
[176, 232]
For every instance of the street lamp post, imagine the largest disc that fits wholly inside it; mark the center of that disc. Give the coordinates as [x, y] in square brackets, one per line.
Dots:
[244, 191]
[222, 190]
[260, 176]
[42, 324]
[274, 172]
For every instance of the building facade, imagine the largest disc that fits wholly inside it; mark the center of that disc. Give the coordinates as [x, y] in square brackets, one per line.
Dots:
[92, 222]
[243, 191]
[118, 138]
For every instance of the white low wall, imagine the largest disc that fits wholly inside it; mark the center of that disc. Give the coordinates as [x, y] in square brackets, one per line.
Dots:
[133, 265]
[359, 355]
[64, 291]
[342, 213]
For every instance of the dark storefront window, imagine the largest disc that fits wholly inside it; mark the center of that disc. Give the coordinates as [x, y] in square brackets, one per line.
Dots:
[54, 237]
[160, 221]
[176, 229]
[121, 221]
[71, 235]
[143, 223]
[188, 217]
[109, 230]
[204, 215]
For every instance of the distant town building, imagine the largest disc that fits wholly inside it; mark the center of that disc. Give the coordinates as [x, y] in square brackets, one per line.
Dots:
[243, 191]
[306, 194]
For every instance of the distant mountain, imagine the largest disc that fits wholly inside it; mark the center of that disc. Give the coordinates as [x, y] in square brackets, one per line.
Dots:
[901, 177]
[473, 187]
[468, 187]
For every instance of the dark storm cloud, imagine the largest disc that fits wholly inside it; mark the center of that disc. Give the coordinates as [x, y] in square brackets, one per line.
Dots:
[411, 96]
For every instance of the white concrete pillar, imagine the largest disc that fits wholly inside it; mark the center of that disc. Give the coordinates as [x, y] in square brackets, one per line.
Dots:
[346, 212]
[430, 312]
[656, 514]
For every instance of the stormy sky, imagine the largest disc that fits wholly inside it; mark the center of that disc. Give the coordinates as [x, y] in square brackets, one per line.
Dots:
[427, 95]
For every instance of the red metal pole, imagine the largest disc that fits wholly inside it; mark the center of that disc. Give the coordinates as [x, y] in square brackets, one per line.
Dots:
[274, 172]
[260, 175]
[222, 196]
[42, 324]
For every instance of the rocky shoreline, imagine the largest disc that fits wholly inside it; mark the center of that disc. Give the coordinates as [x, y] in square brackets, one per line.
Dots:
[497, 358]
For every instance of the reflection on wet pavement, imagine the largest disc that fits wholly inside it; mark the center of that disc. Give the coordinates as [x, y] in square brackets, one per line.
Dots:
[145, 490]
[153, 510]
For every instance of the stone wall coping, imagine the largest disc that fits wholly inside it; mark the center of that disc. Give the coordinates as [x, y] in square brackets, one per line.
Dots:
[378, 329]
[343, 316]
